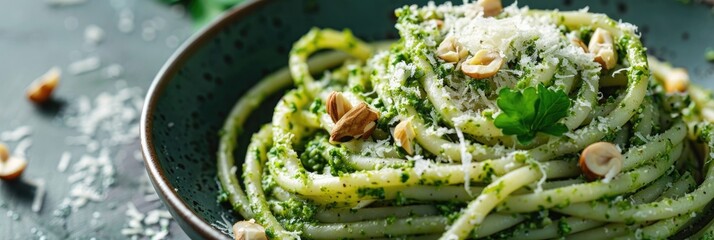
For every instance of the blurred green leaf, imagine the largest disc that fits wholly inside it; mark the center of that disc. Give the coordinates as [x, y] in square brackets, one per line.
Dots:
[203, 11]
[228, 3]
[709, 55]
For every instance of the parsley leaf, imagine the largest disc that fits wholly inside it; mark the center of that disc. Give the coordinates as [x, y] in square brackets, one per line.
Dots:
[531, 111]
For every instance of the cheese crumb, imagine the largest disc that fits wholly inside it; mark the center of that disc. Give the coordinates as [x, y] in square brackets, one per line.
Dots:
[84, 66]
[93, 34]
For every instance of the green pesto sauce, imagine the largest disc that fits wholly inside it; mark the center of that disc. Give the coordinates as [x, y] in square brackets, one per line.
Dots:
[488, 173]
[401, 200]
[338, 162]
[585, 33]
[311, 157]
[222, 197]
[297, 209]
[270, 233]
[404, 177]
[450, 210]
[563, 227]
[497, 188]
[371, 192]
[621, 48]
[317, 107]
[268, 181]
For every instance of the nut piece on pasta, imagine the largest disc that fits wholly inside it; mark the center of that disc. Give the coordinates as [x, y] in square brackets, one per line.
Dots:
[450, 50]
[249, 230]
[673, 79]
[359, 122]
[676, 80]
[601, 160]
[41, 89]
[404, 134]
[439, 23]
[602, 45]
[483, 64]
[579, 43]
[490, 7]
[337, 106]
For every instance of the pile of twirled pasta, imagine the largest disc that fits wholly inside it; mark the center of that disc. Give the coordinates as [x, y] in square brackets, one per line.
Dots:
[480, 121]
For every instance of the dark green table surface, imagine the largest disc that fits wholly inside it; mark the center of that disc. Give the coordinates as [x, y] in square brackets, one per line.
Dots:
[35, 36]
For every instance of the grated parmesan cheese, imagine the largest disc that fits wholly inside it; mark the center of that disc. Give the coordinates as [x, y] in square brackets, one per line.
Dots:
[153, 224]
[16, 134]
[93, 34]
[126, 21]
[84, 66]
[64, 162]
[112, 119]
[21, 148]
[39, 197]
[420, 164]
[378, 149]
[465, 160]
[148, 34]
[510, 37]
[224, 225]
[113, 71]
[401, 73]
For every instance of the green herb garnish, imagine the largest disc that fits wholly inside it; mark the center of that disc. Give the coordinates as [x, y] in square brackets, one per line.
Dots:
[531, 111]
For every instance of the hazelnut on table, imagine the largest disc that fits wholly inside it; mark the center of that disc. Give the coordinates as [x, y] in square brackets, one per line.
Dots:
[41, 89]
[11, 167]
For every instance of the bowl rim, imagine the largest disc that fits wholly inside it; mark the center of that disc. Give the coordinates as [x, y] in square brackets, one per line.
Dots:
[159, 83]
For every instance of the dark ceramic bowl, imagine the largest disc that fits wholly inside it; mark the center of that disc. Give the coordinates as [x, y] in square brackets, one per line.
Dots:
[194, 91]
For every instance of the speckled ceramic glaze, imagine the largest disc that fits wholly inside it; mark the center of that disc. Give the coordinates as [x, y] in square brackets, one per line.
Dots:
[197, 87]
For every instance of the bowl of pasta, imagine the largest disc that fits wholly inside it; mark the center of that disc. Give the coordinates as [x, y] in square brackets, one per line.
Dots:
[320, 119]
